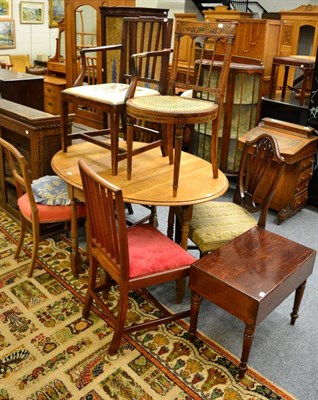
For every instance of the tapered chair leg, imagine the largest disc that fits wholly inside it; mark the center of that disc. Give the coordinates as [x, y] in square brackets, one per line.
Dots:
[36, 242]
[22, 234]
[92, 275]
[120, 322]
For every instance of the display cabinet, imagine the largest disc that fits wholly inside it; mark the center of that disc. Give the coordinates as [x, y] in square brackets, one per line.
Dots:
[240, 112]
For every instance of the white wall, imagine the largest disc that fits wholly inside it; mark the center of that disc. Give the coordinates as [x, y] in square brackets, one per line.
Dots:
[36, 39]
[32, 39]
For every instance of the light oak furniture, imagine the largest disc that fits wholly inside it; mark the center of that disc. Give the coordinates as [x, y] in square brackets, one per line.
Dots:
[249, 277]
[146, 35]
[297, 25]
[134, 258]
[255, 38]
[297, 144]
[52, 94]
[174, 112]
[149, 185]
[29, 210]
[36, 134]
[298, 36]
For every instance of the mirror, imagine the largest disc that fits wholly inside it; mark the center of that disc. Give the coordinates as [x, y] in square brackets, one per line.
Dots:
[86, 27]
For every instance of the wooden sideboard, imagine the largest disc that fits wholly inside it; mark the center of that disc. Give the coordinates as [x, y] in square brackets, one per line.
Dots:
[297, 145]
[36, 134]
[26, 89]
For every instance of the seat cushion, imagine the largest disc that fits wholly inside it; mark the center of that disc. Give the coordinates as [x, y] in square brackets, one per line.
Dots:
[49, 214]
[150, 251]
[216, 223]
[108, 93]
[50, 190]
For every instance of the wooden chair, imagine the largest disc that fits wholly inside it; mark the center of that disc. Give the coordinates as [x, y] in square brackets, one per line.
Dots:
[139, 34]
[134, 257]
[29, 210]
[249, 277]
[177, 112]
[215, 223]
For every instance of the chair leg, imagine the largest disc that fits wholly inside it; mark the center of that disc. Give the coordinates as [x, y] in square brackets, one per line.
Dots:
[22, 234]
[92, 276]
[196, 301]
[247, 344]
[298, 297]
[120, 322]
[36, 241]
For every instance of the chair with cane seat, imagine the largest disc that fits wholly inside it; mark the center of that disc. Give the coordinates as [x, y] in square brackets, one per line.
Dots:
[134, 258]
[177, 112]
[29, 210]
[215, 223]
[139, 34]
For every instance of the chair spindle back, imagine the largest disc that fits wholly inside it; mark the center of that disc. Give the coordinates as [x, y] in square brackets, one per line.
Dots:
[106, 223]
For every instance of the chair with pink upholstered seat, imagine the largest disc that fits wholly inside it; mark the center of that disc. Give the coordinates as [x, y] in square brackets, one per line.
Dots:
[29, 210]
[134, 257]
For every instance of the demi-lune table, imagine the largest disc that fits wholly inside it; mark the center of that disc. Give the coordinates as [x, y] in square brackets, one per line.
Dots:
[150, 183]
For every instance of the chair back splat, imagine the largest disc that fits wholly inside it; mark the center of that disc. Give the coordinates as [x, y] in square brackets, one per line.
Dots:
[261, 167]
[134, 257]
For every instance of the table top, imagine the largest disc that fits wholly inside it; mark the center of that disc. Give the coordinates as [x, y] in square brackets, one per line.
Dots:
[6, 75]
[307, 61]
[152, 175]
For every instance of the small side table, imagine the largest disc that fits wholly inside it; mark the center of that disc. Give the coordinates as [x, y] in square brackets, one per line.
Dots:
[306, 64]
[297, 144]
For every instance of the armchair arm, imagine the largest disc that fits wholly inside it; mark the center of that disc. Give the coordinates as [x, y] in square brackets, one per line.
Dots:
[79, 80]
[136, 67]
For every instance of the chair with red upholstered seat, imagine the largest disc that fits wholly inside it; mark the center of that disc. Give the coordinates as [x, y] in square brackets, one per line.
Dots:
[29, 210]
[134, 257]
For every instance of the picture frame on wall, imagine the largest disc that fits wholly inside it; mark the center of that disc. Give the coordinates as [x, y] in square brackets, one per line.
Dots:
[7, 34]
[31, 12]
[56, 12]
[6, 9]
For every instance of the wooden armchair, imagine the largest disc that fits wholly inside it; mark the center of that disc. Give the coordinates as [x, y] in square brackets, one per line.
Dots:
[139, 34]
[134, 258]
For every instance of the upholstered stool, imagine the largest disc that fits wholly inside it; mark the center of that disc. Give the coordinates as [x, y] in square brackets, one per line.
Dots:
[249, 277]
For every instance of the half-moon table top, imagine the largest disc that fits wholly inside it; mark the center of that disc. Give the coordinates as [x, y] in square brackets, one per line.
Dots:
[151, 180]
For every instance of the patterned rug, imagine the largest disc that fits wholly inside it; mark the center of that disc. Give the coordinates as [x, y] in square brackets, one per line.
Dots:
[48, 351]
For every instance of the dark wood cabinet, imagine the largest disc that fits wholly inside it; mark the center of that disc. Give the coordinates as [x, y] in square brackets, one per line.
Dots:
[21, 88]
